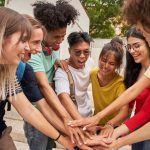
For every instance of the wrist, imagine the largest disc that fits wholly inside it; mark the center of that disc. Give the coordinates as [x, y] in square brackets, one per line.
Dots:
[58, 137]
[109, 124]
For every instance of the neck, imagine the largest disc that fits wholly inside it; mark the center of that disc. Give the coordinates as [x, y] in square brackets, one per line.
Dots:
[104, 80]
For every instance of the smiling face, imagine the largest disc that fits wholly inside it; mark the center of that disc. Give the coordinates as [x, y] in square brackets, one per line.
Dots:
[55, 38]
[14, 48]
[79, 54]
[34, 43]
[138, 49]
[107, 64]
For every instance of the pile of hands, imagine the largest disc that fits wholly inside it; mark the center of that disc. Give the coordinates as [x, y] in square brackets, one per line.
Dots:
[86, 135]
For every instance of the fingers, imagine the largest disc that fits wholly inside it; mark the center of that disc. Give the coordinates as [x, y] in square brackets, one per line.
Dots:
[76, 123]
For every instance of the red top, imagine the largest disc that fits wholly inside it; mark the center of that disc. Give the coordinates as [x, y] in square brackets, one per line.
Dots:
[142, 111]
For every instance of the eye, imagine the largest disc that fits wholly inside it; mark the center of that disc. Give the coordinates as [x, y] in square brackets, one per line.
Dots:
[136, 45]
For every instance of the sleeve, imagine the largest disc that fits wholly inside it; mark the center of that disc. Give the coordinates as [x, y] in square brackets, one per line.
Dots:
[14, 88]
[61, 82]
[147, 73]
[36, 62]
[141, 117]
[30, 86]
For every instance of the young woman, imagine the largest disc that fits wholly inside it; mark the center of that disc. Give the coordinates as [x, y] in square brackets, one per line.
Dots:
[138, 60]
[15, 31]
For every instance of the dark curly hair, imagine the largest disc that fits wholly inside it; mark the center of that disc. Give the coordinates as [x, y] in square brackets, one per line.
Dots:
[116, 46]
[77, 37]
[132, 68]
[54, 17]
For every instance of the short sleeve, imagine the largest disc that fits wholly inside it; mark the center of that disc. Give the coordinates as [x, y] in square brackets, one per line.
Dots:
[30, 86]
[147, 73]
[36, 62]
[61, 82]
[14, 88]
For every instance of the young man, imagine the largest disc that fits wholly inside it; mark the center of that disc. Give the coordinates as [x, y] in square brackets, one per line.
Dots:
[79, 45]
[55, 19]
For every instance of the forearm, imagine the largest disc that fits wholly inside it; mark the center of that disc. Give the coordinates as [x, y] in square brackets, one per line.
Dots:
[51, 116]
[53, 101]
[69, 105]
[119, 131]
[134, 136]
[120, 117]
[126, 97]
[30, 113]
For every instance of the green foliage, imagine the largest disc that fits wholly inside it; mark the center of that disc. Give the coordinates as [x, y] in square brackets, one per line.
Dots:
[105, 16]
[2, 2]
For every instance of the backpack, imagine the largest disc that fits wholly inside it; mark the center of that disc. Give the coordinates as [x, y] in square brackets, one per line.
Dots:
[19, 74]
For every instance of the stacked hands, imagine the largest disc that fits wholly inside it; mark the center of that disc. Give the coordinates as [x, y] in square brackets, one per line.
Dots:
[87, 135]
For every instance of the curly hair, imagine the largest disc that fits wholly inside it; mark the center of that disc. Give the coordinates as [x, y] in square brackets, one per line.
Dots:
[137, 10]
[54, 17]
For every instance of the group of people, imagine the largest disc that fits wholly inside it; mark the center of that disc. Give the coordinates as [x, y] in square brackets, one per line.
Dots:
[52, 94]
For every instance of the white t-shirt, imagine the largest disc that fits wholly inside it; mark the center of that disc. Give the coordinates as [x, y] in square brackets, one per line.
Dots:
[81, 79]
[147, 73]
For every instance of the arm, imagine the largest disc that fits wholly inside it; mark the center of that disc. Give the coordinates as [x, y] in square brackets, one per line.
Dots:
[30, 113]
[126, 97]
[133, 137]
[141, 117]
[69, 105]
[50, 95]
[50, 115]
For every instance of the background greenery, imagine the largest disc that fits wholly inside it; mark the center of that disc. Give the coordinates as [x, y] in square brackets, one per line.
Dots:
[105, 16]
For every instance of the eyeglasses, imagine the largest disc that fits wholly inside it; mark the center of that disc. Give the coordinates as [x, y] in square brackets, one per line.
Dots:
[86, 53]
[135, 47]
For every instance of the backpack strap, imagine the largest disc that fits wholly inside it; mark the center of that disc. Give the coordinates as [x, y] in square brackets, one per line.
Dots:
[20, 70]
[72, 87]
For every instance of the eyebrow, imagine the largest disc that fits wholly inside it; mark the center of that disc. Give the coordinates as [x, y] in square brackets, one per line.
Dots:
[134, 43]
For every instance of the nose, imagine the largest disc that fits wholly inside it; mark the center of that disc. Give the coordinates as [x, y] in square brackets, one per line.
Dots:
[27, 48]
[59, 41]
[39, 48]
[82, 55]
[106, 65]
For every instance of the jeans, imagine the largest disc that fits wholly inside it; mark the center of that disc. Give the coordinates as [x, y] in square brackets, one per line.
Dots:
[144, 145]
[37, 140]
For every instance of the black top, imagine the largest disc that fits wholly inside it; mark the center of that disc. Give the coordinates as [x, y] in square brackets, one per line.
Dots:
[29, 85]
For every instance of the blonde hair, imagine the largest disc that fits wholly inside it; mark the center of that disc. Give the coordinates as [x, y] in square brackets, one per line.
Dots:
[10, 23]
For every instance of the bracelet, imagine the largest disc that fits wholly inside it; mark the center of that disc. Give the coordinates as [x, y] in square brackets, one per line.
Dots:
[57, 137]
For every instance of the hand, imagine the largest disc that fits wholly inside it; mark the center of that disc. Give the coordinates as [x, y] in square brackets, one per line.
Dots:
[107, 131]
[66, 142]
[86, 122]
[93, 130]
[61, 63]
[85, 147]
[98, 140]
[75, 134]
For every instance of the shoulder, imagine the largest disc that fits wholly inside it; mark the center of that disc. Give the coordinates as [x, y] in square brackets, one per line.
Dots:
[94, 71]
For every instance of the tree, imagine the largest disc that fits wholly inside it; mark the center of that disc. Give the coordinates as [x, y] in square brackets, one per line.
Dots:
[105, 16]
[2, 2]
